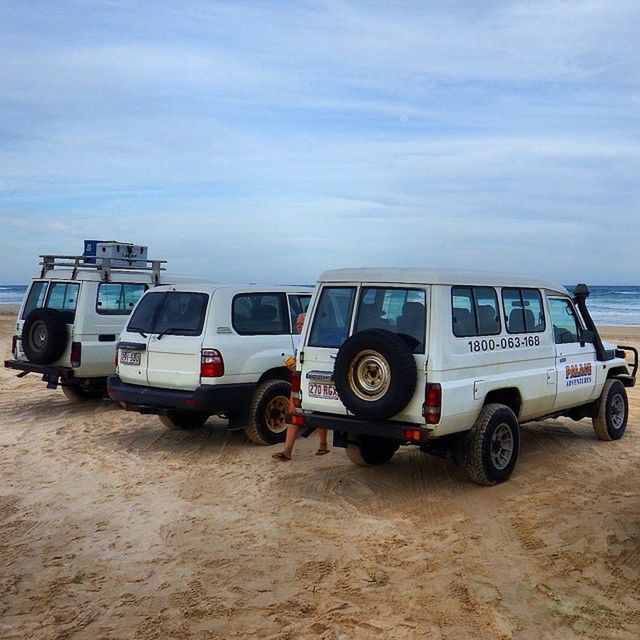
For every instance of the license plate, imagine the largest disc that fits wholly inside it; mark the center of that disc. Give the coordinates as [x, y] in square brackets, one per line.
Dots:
[130, 357]
[322, 390]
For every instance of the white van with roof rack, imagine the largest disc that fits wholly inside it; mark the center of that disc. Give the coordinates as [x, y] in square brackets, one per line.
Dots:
[454, 362]
[192, 351]
[73, 312]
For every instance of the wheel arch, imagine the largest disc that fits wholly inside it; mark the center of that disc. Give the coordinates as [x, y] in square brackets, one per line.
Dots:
[508, 396]
[276, 373]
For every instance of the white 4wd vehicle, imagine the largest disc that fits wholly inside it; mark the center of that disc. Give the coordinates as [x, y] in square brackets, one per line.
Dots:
[189, 352]
[71, 316]
[453, 362]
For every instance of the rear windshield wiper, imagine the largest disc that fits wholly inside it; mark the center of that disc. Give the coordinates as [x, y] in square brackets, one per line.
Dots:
[144, 335]
[170, 330]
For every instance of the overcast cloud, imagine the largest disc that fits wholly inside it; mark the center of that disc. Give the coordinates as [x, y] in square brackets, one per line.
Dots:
[268, 141]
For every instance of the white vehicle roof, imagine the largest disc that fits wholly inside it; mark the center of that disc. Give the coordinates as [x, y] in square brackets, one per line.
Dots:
[417, 275]
[210, 287]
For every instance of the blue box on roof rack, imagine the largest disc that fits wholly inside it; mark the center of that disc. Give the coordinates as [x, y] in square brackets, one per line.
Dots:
[122, 254]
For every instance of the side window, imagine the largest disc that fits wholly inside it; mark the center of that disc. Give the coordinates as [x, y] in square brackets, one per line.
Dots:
[565, 324]
[402, 311]
[118, 298]
[332, 317]
[36, 296]
[297, 304]
[260, 314]
[63, 296]
[475, 311]
[523, 310]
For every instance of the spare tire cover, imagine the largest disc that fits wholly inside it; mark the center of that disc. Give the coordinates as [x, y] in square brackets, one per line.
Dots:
[44, 336]
[375, 374]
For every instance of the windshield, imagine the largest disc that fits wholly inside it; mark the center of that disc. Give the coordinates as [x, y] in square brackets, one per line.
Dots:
[171, 312]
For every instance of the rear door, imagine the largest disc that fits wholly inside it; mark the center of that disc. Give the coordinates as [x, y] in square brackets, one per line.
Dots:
[575, 360]
[173, 351]
[331, 325]
[134, 340]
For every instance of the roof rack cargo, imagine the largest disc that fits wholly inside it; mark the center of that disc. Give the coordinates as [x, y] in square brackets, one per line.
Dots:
[103, 264]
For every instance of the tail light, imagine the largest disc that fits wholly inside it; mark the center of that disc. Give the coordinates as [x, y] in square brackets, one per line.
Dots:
[76, 354]
[211, 364]
[14, 346]
[432, 403]
[296, 396]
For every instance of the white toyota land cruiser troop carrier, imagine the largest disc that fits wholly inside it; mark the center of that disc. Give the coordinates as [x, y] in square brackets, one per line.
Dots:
[453, 362]
[73, 312]
[189, 352]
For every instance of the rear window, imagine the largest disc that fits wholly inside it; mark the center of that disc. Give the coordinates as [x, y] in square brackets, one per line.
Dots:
[260, 314]
[63, 297]
[474, 311]
[523, 310]
[36, 296]
[332, 316]
[297, 304]
[401, 311]
[179, 313]
[118, 299]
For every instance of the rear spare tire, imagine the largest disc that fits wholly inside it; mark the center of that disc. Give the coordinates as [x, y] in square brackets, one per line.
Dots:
[267, 422]
[44, 336]
[375, 374]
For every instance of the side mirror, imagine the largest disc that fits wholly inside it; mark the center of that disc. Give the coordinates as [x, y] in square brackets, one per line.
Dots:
[587, 337]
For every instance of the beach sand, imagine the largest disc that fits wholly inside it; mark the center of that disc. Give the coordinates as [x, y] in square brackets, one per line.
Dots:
[113, 527]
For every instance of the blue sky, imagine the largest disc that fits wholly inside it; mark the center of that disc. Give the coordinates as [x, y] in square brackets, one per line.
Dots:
[268, 141]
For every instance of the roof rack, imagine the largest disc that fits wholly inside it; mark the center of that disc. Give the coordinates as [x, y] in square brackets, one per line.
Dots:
[105, 265]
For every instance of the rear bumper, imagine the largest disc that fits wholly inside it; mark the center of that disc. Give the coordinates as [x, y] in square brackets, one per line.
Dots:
[224, 398]
[49, 372]
[359, 426]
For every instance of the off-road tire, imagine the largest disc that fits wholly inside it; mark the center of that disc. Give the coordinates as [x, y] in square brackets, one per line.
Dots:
[493, 444]
[370, 451]
[612, 411]
[44, 336]
[184, 419]
[267, 421]
[375, 374]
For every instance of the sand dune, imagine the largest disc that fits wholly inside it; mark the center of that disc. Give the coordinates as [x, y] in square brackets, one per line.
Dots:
[112, 527]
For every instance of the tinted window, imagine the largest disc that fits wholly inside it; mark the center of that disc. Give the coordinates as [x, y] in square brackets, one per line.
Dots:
[475, 311]
[400, 311]
[35, 299]
[332, 316]
[118, 298]
[63, 297]
[297, 304]
[174, 312]
[260, 314]
[565, 323]
[523, 310]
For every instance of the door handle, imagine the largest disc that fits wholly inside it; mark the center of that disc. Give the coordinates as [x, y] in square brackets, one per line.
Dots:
[563, 359]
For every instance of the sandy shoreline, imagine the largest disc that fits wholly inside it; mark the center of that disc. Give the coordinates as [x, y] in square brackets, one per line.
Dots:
[113, 527]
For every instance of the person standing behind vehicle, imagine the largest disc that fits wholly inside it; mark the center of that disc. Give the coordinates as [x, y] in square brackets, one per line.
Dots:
[293, 430]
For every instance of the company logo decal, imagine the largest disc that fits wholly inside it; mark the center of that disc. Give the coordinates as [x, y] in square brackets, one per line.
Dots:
[576, 374]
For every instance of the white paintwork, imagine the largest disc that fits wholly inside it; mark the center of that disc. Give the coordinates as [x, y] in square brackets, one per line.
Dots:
[173, 362]
[536, 372]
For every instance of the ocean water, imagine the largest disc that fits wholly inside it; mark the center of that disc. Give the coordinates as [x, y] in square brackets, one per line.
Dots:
[609, 305]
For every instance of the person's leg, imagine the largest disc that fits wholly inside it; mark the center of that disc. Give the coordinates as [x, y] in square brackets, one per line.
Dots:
[324, 446]
[292, 433]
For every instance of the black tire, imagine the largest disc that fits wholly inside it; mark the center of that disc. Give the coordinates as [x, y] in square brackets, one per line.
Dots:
[184, 419]
[44, 336]
[369, 451]
[493, 445]
[267, 421]
[375, 374]
[612, 411]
